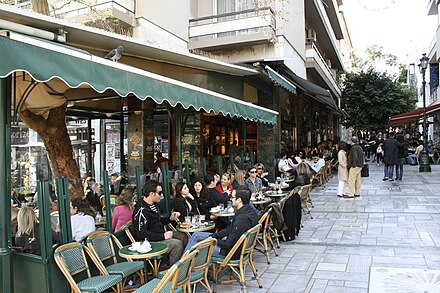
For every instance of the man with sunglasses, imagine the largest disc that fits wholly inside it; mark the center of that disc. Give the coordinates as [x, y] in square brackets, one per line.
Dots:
[149, 225]
[245, 218]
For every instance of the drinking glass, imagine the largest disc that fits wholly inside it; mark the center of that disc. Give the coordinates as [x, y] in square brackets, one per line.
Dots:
[195, 220]
[202, 219]
[188, 220]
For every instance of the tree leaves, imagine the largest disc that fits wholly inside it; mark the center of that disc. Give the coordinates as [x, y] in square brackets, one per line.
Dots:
[371, 98]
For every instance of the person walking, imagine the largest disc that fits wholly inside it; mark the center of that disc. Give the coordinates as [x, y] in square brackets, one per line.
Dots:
[402, 153]
[390, 156]
[342, 167]
[355, 164]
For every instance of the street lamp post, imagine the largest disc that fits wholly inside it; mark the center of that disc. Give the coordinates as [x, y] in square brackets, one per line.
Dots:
[424, 156]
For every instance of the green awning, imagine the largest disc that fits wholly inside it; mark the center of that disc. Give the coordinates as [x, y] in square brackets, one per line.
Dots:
[318, 93]
[280, 80]
[45, 60]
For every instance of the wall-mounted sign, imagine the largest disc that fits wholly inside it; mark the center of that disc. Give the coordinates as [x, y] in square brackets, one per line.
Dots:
[19, 135]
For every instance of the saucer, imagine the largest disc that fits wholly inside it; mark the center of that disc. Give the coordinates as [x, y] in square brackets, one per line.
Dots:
[144, 251]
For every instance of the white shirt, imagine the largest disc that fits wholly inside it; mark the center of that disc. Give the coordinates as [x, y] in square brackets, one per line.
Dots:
[81, 226]
[318, 165]
[285, 165]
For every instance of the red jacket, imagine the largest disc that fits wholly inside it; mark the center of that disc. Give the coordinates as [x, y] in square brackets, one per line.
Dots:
[225, 194]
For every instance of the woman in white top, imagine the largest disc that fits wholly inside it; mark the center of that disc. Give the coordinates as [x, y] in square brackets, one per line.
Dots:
[286, 165]
[342, 167]
[81, 217]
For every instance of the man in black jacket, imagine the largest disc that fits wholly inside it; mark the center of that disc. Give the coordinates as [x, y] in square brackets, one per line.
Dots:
[355, 164]
[149, 225]
[245, 218]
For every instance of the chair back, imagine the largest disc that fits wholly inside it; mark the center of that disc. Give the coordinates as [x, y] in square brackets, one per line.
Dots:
[203, 258]
[71, 260]
[128, 233]
[304, 192]
[113, 198]
[246, 242]
[179, 274]
[100, 243]
[265, 219]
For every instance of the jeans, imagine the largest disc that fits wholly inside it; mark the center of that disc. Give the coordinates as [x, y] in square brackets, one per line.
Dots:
[196, 237]
[389, 170]
[399, 168]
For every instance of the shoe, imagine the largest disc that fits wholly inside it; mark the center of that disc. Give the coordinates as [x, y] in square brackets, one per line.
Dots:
[385, 179]
[357, 195]
[347, 196]
[340, 195]
[391, 179]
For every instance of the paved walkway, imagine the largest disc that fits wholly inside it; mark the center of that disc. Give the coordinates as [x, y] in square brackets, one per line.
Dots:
[388, 240]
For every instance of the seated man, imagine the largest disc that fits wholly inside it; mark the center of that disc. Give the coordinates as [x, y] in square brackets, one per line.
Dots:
[286, 165]
[245, 218]
[148, 224]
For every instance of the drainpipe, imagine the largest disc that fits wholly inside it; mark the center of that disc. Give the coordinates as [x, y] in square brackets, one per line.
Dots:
[5, 191]
[30, 31]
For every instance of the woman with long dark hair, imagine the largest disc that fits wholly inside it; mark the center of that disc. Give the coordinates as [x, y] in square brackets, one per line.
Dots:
[185, 202]
[203, 198]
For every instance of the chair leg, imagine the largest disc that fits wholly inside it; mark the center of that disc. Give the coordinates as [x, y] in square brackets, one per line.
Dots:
[242, 279]
[254, 270]
[215, 270]
[266, 250]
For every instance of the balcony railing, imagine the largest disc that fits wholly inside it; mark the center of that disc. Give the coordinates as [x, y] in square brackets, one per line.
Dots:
[233, 29]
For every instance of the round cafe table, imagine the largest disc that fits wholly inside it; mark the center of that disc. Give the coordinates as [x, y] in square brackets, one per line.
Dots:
[261, 201]
[157, 249]
[275, 195]
[223, 213]
[199, 228]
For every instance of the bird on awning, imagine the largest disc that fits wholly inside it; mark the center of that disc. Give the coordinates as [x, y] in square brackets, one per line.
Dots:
[115, 54]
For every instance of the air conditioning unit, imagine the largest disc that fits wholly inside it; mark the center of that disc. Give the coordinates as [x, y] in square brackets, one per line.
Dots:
[311, 35]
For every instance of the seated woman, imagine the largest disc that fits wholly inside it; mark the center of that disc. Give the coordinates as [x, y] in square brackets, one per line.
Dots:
[185, 203]
[286, 165]
[203, 198]
[123, 210]
[82, 218]
[27, 238]
[253, 183]
[224, 187]
[239, 179]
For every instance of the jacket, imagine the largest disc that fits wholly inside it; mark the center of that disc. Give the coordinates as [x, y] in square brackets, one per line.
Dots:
[390, 151]
[181, 206]
[356, 157]
[205, 202]
[277, 217]
[147, 222]
[342, 166]
[245, 218]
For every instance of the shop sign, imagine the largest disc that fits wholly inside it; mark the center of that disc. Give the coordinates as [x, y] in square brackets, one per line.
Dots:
[19, 135]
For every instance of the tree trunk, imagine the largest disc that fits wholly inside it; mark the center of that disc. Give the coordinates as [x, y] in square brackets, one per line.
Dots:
[53, 132]
[40, 6]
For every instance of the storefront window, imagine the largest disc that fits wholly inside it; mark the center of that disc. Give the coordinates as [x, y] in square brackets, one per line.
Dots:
[191, 142]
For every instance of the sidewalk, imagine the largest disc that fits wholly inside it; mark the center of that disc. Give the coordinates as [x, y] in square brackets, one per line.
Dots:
[387, 240]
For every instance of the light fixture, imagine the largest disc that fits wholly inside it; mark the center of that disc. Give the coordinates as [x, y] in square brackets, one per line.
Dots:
[424, 165]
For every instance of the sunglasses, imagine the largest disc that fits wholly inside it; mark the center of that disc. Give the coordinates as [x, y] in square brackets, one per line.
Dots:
[158, 192]
[252, 172]
[259, 168]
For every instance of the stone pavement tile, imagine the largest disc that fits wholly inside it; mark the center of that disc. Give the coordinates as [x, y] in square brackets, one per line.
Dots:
[419, 261]
[341, 276]
[269, 275]
[328, 266]
[332, 258]
[361, 250]
[292, 284]
[266, 282]
[356, 284]
[335, 283]
[337, 289]
[359, 263]
[316, 286]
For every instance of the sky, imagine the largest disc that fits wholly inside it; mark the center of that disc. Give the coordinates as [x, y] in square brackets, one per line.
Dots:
[402, 27]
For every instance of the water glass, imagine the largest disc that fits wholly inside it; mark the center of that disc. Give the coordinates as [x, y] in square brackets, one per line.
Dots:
[195, 220]
[188, 220]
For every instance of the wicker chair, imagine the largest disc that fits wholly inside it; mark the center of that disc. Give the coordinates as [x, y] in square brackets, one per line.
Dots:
[71, 260]
[100, 243]
[246, 244]
[176, 279]
[304, 193]
[265, 235]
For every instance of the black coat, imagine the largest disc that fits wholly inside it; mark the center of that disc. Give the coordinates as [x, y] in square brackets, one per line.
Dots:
[390, 151]
[205, 202]
[181, 206]
[245, 218]
[147, 223]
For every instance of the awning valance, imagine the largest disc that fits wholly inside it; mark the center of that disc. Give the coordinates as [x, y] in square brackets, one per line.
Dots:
[318, 93]
[45, 60]
[280, 80]
[411, 116]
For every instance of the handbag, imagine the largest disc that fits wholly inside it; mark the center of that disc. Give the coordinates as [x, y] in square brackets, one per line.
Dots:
[365, 172]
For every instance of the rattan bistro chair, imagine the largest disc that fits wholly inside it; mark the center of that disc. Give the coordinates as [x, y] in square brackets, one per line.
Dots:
[265, 236]
[176, 279]
[246, 245]
[100, 243]
[71, 260]
[199, 274]
[304, 193]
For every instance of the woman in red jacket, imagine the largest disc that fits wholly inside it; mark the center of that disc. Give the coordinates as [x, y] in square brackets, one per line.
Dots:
[224, 187]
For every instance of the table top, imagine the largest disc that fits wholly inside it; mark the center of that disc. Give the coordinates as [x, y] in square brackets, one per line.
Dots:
[157, 249]
[223, 213]
[276, 194]
[200, 228]
[262, 201]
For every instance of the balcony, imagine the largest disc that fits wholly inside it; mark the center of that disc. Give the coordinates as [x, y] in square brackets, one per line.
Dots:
[119, 10]
[321, 68]
[246, 27]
